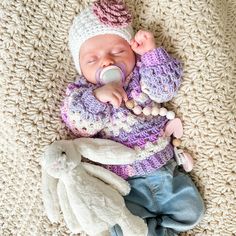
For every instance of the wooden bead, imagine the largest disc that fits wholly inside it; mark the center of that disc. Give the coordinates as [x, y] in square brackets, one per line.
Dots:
[170, 115]
[176, 142]
[155, 111]
[129, 104]
[147, 111]
[143, 97]
[163, 111]
[137, 110]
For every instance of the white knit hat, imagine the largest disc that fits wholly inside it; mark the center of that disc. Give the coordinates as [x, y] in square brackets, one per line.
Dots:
[103, 17]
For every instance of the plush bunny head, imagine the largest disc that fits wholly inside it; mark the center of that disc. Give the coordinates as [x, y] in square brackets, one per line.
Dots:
[60, 158]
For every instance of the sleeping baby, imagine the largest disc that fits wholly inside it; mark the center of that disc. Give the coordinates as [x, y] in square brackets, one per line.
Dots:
[123, 78]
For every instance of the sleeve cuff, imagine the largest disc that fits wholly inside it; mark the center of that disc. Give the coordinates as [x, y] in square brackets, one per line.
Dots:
[91, 103]
[154, 57]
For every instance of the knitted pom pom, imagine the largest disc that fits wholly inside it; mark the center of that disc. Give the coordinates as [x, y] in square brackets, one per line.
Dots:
[113, 13]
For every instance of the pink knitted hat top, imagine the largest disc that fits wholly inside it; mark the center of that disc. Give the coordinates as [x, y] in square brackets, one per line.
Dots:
[114, 13]
[103, 17]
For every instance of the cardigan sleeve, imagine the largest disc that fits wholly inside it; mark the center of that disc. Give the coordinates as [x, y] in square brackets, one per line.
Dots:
[160, 75]
[82, 112]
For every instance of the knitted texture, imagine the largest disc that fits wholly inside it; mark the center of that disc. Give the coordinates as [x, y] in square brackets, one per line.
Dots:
[167, 76]
[113, 13]
[83, 111]
[102, 17]
[143, 167]
[36, 66]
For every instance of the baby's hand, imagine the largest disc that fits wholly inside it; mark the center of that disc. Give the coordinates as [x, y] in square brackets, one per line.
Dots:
[143, 42]
[112, 92]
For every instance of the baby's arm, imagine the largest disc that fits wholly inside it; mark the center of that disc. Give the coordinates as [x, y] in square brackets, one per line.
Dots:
[160, 75]
[84, 114]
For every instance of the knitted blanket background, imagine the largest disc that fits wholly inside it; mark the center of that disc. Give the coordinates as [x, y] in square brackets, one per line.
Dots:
[36, 66]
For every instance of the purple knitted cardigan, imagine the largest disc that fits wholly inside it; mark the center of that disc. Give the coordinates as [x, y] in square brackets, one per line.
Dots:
[160, 75]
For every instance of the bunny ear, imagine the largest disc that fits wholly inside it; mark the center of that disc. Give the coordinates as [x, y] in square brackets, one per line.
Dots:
[50, 198]
[104, 151]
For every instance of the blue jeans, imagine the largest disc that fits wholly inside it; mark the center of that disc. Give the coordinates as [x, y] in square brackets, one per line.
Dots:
[166, 199]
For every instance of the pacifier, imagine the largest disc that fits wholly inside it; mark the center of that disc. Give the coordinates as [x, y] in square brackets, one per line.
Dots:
[113, 73]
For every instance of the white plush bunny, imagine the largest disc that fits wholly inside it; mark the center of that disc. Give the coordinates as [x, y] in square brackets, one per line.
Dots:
[89, 196]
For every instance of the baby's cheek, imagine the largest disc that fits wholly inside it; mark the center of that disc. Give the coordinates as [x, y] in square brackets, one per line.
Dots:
[90, 75]
[130, 65]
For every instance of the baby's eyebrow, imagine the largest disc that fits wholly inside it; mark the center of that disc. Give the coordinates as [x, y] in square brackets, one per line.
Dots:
[89, 55]
[120, 45]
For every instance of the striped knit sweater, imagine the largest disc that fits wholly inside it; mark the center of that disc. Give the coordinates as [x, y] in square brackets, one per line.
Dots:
[155, 78]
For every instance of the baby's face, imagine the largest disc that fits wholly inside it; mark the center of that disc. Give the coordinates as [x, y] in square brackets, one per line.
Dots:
[104, 50]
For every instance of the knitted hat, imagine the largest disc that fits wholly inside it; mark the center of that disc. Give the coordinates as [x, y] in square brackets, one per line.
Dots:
[103, 17]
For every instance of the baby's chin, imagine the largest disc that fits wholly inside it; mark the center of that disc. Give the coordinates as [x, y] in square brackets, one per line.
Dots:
[91, 80]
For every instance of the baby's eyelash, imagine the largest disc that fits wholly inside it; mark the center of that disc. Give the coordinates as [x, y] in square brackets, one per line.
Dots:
[121, 51]
[91, 61]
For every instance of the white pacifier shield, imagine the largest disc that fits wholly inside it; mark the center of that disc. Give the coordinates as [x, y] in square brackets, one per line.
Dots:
[110, 74]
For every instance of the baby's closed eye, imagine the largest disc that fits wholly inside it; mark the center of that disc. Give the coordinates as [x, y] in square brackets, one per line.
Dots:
[118, 51]
[91, 60]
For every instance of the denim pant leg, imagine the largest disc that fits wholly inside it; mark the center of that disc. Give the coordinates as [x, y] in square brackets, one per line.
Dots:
[182, 206]
[167, 199]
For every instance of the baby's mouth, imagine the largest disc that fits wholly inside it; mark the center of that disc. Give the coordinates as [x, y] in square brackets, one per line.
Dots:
[113, 73]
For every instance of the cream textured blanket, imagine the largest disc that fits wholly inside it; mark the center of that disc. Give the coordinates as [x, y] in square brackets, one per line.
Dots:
[35, 67]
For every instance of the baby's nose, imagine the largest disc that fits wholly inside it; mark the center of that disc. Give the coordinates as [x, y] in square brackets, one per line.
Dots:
[107, 61]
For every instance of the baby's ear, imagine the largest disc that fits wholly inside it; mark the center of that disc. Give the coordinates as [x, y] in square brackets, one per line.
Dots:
[104, 151]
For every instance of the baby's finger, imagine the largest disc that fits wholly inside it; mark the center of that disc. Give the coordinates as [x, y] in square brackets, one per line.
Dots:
[140, 37]
[148, 34]
[114, 101]
[117, 99]
[122, 93]
[132, 41]
[134, 44]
